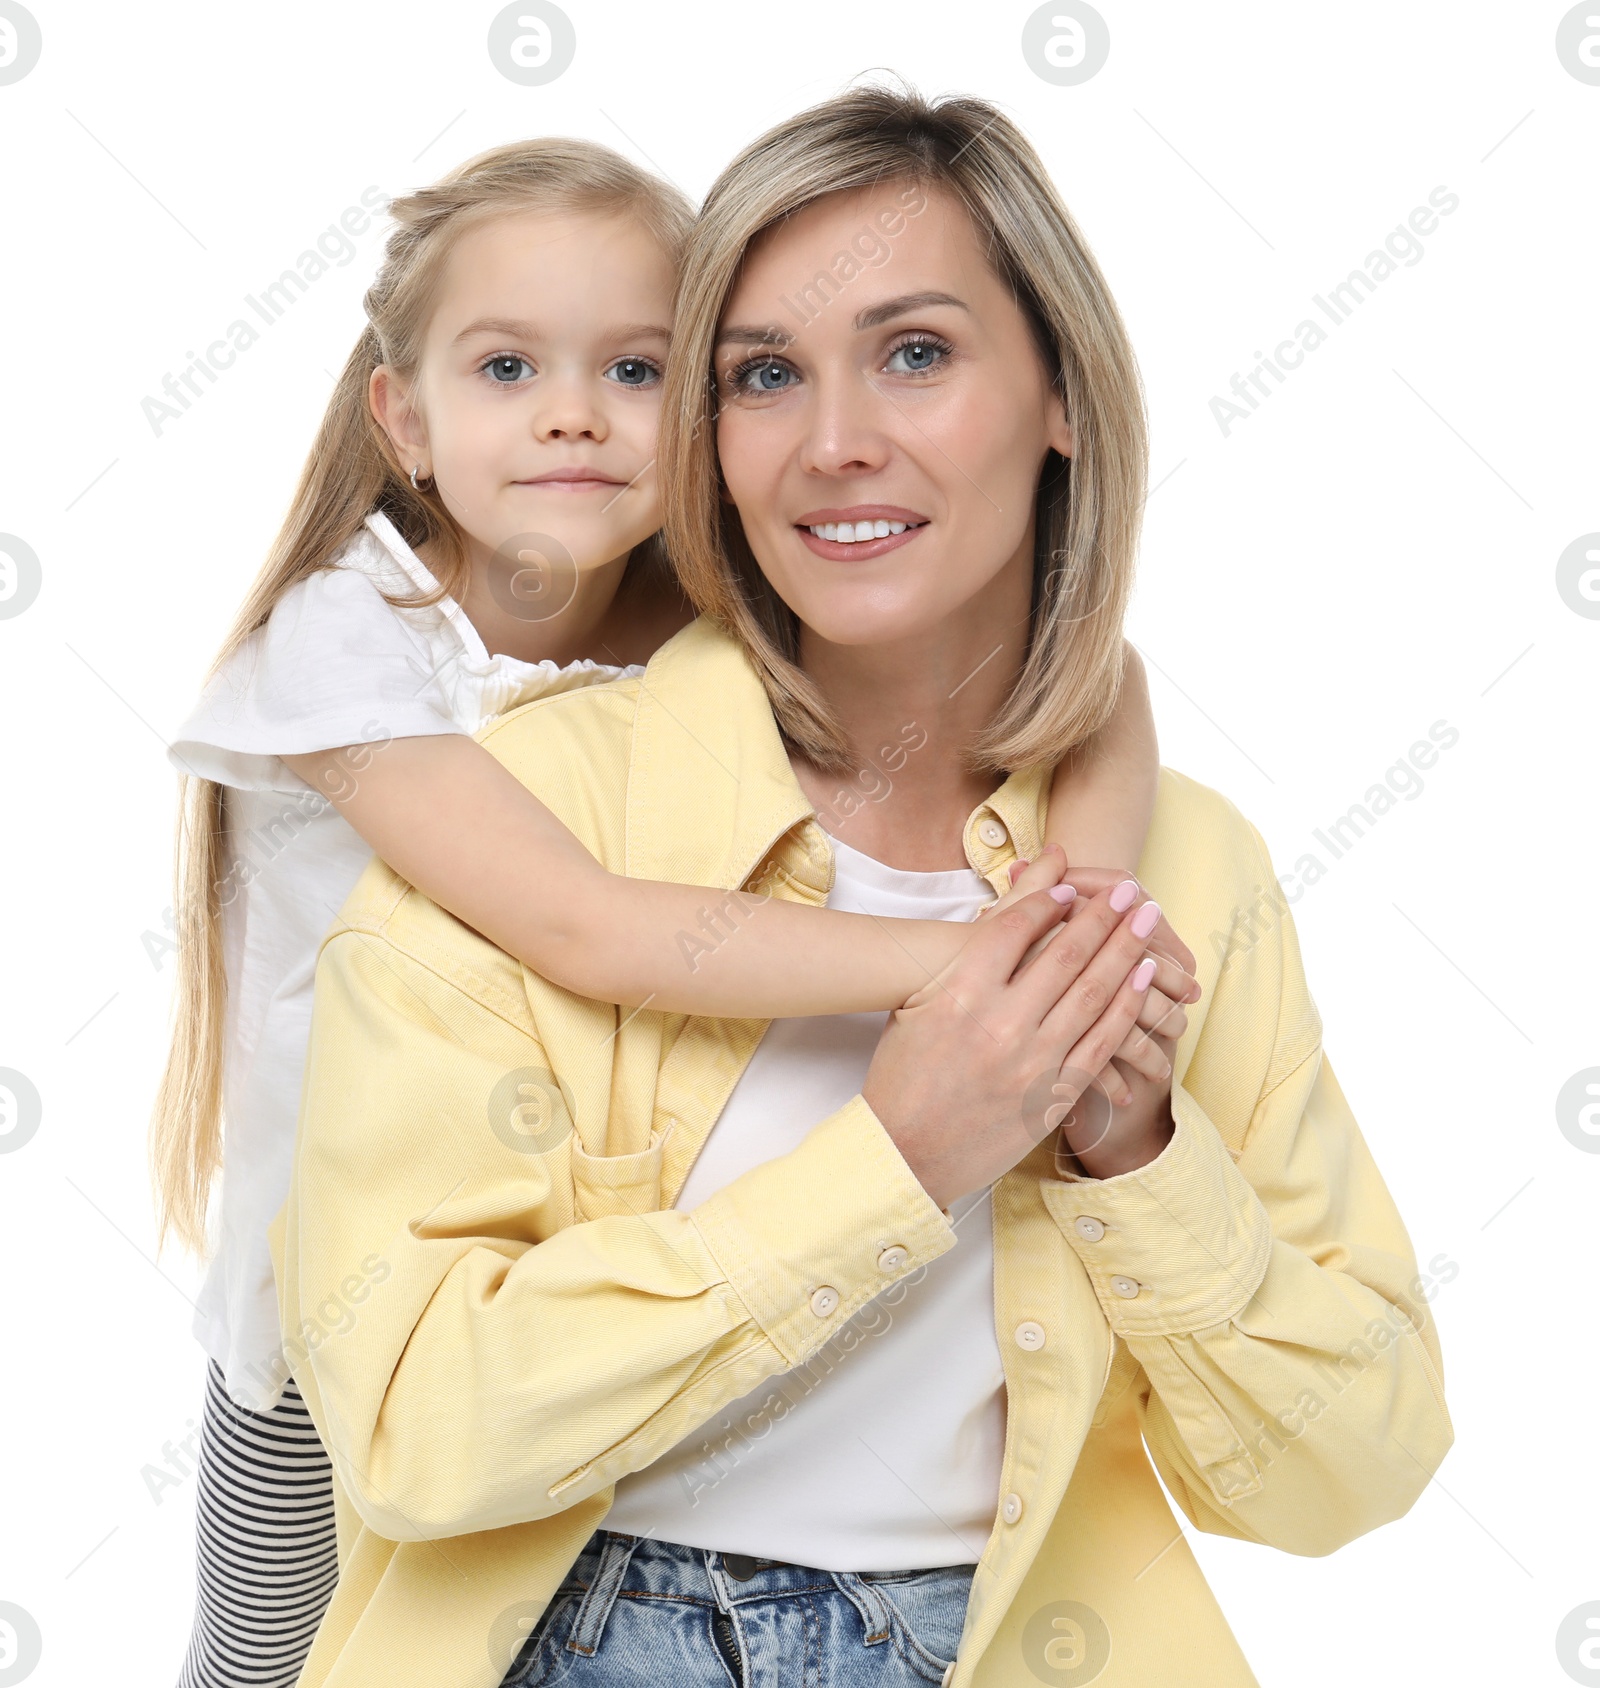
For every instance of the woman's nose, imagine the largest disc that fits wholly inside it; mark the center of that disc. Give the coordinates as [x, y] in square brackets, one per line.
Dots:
[844, 433]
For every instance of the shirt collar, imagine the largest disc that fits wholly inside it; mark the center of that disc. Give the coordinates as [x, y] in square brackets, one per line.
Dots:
[712, 799]
[398, 570]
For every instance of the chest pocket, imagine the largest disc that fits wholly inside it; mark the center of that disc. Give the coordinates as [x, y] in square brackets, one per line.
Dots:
[610, 1186]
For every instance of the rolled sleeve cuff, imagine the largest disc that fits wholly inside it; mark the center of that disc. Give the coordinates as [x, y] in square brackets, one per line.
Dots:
[1175, 1246]
[809, 1238]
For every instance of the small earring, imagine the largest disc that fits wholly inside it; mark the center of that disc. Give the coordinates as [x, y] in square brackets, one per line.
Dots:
[414, 468]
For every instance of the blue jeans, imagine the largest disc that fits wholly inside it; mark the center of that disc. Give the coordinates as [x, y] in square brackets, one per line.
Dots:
[634, 1612]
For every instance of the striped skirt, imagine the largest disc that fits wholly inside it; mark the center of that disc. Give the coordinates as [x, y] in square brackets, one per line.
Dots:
[266, 1555]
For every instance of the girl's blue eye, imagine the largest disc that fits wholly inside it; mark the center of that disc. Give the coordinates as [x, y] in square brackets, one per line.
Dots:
[635, 372]
[507, 370]
[918, 355]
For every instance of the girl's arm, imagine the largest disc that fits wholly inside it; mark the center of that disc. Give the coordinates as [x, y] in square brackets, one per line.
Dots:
[445, 815]
[1104, 793]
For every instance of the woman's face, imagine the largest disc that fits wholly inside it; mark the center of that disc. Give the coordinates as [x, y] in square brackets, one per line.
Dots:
[873, 369]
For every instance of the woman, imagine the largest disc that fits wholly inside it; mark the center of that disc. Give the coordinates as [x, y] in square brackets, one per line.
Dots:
[620, 1361]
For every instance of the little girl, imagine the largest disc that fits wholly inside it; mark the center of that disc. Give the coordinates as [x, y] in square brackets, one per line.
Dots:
[475, 527]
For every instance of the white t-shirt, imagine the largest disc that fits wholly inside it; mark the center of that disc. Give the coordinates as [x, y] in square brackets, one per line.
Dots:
[884, 1451]
[335, 664]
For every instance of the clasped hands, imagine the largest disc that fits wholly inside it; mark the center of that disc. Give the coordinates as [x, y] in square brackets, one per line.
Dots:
[1062, 1013]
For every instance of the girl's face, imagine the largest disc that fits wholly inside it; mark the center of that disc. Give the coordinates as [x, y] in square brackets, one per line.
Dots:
[874, 372]
[536, 402]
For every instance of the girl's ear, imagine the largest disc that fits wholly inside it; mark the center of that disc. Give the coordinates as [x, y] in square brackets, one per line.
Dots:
[392, 409]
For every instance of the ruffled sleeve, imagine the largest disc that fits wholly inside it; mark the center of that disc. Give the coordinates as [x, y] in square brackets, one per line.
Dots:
[335, 664]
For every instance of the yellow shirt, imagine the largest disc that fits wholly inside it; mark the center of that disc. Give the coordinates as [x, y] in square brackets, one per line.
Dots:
[496, 1311]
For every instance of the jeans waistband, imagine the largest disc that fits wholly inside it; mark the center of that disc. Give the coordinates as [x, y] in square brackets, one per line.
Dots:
[717, 1579]
[675, 1610]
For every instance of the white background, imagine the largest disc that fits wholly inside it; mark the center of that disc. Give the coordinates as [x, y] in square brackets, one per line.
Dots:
[1372, 551]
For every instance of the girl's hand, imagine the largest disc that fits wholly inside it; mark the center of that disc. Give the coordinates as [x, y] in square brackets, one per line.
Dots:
[982, 1062]
[1163, 1007]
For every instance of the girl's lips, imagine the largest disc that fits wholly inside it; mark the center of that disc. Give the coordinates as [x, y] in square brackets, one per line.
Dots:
[587, 484]
[859, 550]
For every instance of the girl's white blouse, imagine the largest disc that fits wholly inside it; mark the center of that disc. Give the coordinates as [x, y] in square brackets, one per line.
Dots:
[336, 664]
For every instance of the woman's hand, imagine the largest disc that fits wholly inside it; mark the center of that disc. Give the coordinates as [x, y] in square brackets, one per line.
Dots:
[1163, 1008]
[982, 1063]
[1100, 1141]
[1051, 868]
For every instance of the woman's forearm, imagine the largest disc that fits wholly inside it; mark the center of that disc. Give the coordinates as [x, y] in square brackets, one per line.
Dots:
[1294, 1370]
[447, 1417]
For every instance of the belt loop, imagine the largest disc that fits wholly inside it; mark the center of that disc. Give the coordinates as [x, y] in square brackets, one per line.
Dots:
[868, 1601]
[602, 1592]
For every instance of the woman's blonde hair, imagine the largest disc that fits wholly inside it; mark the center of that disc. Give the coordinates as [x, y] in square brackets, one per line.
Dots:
[351, 471]
[1088, 508]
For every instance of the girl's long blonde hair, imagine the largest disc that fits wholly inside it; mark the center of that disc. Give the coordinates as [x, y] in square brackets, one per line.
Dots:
[1088, 507]
[350, 472]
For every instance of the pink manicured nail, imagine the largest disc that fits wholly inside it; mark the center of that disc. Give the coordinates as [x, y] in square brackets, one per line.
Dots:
[1122, 897]
[1063, 893]
[1143, 974]
[1144, 922]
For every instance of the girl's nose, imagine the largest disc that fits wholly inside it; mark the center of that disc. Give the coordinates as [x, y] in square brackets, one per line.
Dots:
[567, 410]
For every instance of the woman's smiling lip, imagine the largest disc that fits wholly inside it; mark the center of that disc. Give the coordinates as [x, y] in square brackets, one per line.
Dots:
[901, 526]
[862, 513]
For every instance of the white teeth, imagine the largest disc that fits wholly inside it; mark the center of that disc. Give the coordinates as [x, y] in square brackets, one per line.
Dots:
[848, 533]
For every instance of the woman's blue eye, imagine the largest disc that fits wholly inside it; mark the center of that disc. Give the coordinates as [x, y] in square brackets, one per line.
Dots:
[764, 377]
[506, 370]
[634, 372]
[918, 355]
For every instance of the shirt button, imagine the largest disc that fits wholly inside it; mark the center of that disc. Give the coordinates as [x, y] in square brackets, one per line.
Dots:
[892, 1259]
[1011, 1508]
[1030, 1335]
[825, 1299]
[1091, 1230]
[1127, 1288]
[991, 832]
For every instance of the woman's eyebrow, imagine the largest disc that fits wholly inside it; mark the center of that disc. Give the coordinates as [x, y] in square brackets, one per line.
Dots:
[871, 317]
[734, 333]
[875, 315]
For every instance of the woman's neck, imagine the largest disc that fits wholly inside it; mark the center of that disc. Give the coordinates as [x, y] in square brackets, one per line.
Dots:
[911, 714]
